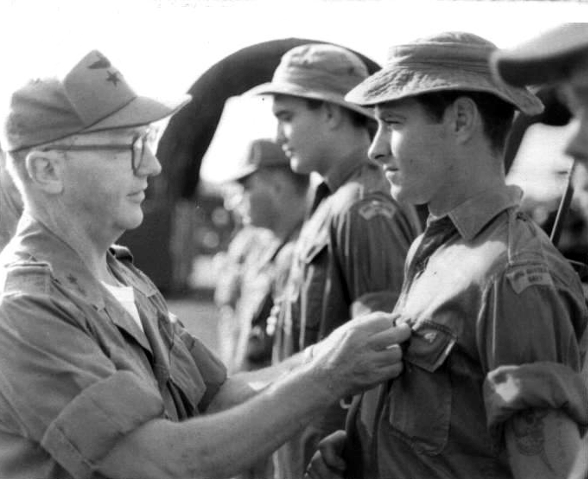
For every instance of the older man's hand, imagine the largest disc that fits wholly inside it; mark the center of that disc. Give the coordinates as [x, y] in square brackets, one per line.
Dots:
[362, 353]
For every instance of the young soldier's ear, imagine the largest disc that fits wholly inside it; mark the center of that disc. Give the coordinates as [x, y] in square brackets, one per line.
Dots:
[335, 113]
[465, 118]
[45, 168]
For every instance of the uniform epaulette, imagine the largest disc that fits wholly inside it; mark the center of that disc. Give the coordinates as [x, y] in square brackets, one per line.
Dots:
[121, 252]
[29, 276]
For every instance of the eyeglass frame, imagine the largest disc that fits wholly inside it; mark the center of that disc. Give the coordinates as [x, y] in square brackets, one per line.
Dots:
[140, 140]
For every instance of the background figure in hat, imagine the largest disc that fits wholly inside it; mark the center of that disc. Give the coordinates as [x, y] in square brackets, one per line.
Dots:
[558, 57]
[98, 378]
[273, 199]
[350, 255]
[497, 314]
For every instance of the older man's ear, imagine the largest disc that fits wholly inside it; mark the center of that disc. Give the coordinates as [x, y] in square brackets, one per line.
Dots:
[45, 169]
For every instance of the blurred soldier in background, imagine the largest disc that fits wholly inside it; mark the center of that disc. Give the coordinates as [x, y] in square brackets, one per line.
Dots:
[247, 245]
[350, 255]
[273, 198]
[559, 57]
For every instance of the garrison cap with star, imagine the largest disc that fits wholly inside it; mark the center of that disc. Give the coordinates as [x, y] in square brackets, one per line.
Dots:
[92, 96]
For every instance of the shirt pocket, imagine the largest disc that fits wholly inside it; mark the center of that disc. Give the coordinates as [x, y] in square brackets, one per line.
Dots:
[186, 381]
[420, 398]
[315, 261]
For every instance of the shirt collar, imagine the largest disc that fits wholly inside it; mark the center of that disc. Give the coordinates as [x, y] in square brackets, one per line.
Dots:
[473, 214]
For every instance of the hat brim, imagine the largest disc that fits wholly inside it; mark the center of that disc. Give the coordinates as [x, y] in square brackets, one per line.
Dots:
[544, 59]
[392, 84]
[139, 111]
[272, 88]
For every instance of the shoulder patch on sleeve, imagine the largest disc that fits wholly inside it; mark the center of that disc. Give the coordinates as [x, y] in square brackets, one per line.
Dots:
[531, 275]
[375, 208]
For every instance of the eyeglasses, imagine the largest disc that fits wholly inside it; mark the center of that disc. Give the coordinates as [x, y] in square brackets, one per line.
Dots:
[137, 147]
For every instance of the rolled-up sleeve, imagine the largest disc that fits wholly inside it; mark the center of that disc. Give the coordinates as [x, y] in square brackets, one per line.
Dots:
[531, 338]
[63, 389]
[88, 427]
[544, 385]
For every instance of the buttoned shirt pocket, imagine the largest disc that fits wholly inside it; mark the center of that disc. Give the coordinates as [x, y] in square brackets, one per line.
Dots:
[420, 399]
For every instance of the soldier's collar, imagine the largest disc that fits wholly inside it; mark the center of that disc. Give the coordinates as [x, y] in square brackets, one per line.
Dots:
[473, 214]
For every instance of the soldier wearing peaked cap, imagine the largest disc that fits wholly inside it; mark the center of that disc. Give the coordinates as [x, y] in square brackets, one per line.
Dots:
[350, 255]
[559, 58]
[98, 378]
[490, 386]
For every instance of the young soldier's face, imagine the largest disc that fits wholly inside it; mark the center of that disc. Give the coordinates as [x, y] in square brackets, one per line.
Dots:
[300, 132]
[411, 148]
[576, 95]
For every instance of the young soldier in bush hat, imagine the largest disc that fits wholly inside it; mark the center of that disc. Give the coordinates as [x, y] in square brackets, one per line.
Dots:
[98, 379]
[497, 315]
[350, 255]
[559, 58]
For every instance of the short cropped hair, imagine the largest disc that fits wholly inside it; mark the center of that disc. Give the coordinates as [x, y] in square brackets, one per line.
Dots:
[497, 115]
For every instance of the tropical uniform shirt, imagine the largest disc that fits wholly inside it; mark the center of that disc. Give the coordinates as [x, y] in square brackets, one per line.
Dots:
[262, 282]
[245, 251]
[78, 373]
[348, 260]
[499, 326]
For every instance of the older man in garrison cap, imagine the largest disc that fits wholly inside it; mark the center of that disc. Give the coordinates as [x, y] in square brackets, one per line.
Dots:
[350, 255]
[98, 378]
[497, 314]
[559, 58]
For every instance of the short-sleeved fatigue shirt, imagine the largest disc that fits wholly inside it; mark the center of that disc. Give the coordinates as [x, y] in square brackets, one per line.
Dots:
[76, 371]
[499, 325]
[349, 260]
